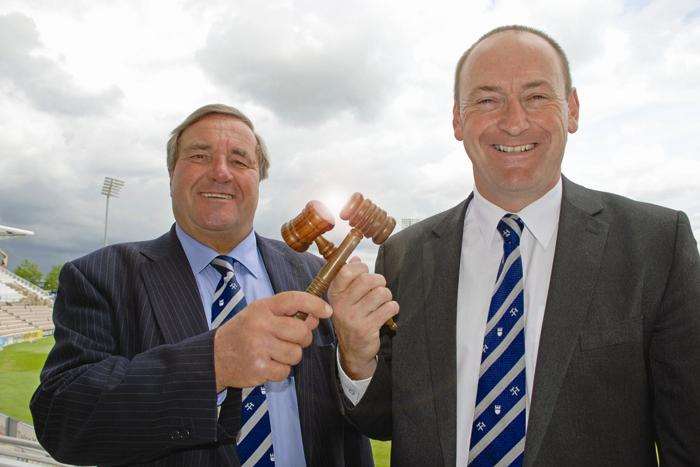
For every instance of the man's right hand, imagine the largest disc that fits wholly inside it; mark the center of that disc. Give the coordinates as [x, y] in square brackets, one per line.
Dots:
[264, 340]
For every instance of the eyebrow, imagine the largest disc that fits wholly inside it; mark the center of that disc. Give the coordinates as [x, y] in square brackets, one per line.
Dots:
[207, 147]
[529, 85]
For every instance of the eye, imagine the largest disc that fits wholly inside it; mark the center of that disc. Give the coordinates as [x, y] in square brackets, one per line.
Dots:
[197, 157]
[486, 101]
[538, 97]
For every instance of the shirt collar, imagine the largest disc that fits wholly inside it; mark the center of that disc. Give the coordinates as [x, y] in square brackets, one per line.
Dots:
[540, 217]
[200, 256]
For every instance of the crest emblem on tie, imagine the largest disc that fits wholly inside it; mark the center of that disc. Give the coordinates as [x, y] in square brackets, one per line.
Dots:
[221, 302]
[249, 406]
[262, 390]
[513, 311]
[506, 233]
[272, 457]
[497, 409]
[480, 426]
[499, 332]
[515, 390]
[231, 286]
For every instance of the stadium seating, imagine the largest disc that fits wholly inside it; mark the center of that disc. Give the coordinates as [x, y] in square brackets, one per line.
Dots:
[9, 295]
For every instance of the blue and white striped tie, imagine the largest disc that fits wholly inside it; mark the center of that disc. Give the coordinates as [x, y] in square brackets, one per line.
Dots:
[498, 432]
[254, 442]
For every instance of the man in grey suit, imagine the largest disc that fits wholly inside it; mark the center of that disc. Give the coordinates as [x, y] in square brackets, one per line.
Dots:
[542, 323]
[184, 350]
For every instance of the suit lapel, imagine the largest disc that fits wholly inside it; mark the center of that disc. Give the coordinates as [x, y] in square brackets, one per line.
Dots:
[580, 244]
[282, 266]
[441, 257]
[172, 289]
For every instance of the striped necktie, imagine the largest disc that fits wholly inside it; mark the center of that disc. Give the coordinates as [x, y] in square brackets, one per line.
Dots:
[498, 431]
[254, 441]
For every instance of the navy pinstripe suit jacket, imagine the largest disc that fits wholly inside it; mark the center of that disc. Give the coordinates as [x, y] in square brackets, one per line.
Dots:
[131, 377]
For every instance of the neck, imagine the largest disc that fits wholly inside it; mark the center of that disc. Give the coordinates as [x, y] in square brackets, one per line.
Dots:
[221, 242]
[517, 200]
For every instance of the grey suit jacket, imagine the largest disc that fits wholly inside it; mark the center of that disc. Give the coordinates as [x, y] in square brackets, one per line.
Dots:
[618, 366]
[131, 376]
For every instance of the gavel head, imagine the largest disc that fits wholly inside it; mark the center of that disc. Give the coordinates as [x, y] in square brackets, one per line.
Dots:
[368, 218]
[313, 221]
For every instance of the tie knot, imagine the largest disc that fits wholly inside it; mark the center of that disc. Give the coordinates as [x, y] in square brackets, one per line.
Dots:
[223, 264]
[511, 228]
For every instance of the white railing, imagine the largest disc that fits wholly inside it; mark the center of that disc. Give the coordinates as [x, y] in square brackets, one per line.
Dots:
[16, 451]
[25, 283]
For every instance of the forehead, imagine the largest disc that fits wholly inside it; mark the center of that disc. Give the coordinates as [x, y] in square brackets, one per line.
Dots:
[509, 59]
[219, 127]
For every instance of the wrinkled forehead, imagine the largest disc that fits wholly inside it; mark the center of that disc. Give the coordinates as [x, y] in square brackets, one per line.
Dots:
[219, 126]
[510, 59]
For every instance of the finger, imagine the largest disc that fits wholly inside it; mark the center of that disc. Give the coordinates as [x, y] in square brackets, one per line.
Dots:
[285, 352]
[362, 285]
[290, 329]
[289, 303]
[383, 313]
[355, 259]
[346, 275]
[311, 322]
[373, 300]
[276, 371]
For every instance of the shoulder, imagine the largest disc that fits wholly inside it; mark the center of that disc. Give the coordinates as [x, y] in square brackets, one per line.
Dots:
[623, 213]
[420, 232]
[122, 257]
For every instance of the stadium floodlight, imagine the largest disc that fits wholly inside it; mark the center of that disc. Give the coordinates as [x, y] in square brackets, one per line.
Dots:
[110, 188]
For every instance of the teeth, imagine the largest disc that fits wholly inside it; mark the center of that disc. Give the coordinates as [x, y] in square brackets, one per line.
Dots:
[526, 147]
[217, 195]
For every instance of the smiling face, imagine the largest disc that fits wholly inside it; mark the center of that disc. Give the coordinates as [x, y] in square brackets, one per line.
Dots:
[214, 185]
[513, 117]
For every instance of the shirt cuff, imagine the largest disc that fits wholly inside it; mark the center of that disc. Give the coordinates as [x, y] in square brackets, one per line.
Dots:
[220, 397]
[353, 390]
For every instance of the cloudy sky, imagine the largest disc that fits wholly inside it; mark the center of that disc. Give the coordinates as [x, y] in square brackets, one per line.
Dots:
[350, 96]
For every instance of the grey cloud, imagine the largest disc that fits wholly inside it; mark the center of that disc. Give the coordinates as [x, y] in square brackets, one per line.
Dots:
[302, 67]
[41, 80]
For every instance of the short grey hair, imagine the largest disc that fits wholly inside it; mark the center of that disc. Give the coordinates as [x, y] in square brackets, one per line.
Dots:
[519, 28]
[221, 109]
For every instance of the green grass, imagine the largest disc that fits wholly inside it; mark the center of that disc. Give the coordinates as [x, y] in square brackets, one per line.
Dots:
[20, 365]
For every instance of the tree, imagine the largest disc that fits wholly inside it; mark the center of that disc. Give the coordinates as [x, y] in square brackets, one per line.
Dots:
[30, 271]
[51, 279]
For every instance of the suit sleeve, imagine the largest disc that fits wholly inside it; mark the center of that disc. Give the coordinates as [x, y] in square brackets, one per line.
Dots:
[372, 415]
[675, 355]
[94, 405]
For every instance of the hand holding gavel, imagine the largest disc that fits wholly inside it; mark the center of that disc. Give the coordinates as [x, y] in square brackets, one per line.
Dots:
[366, 220]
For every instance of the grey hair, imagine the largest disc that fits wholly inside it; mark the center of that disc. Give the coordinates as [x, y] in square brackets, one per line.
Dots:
[200, 113]
[518, 28]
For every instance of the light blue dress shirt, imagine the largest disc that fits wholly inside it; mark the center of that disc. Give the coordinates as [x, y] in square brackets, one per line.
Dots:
[252, 276]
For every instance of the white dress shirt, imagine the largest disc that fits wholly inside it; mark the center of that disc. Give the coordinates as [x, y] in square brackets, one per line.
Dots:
[482, 250]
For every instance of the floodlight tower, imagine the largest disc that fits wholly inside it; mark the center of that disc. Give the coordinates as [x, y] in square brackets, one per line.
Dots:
[110, 188]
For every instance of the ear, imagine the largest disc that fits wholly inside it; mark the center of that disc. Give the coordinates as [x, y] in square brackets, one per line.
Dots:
[457, 121]
[573, 111]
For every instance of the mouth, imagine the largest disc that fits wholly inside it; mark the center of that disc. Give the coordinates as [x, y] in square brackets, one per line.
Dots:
[213, 195]
[514, 149]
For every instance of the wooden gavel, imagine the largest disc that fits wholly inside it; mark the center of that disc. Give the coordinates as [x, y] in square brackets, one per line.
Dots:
[366, 220]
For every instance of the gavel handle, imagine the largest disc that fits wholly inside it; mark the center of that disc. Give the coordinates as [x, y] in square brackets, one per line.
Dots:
[329, 270]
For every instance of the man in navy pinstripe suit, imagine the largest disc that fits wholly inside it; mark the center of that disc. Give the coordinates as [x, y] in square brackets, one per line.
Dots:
[139, 374]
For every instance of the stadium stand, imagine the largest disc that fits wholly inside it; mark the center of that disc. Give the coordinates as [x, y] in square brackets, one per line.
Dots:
[19, 447]
[37, 295]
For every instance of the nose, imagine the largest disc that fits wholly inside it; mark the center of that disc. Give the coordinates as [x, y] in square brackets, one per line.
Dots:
[514, 118]
[220, 169]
